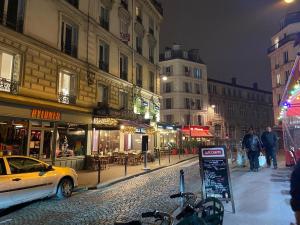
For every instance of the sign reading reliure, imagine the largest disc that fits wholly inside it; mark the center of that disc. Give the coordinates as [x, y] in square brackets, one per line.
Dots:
[45, 114]
[215, 173]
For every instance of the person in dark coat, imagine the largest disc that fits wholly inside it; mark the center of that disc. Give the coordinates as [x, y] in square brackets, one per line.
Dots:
[253, 147]
[269, 140]
[295, 192]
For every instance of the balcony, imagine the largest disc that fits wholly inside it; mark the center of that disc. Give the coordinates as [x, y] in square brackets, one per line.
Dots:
[12, 22]
[157, 6]
[103, 66]
[66, 98]
[73, 3]
[104, 23]
[288, 38]
[139, 83]
[69, 49]
[124, 4]
[124, 75]
[8, 85]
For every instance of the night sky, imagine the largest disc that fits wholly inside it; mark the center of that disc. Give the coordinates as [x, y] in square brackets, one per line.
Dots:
[232, 35]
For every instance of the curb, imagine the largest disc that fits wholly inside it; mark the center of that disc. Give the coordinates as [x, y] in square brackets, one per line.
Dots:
[119, 180]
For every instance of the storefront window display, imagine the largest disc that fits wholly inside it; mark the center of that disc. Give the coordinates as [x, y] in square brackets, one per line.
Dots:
[13, 136]
[71, 140]
[106, 141]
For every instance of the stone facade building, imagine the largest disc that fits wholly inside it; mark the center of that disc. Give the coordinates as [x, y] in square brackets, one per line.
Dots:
[73, 73]
[282, 54]
[237, 108]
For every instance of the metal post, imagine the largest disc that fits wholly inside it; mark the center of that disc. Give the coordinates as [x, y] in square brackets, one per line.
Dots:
[181, 187]
[99, 170]
[126, 163]
[169, 155]
[145, 160]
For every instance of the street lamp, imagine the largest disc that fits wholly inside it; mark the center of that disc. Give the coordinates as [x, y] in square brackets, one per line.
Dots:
[164, 78]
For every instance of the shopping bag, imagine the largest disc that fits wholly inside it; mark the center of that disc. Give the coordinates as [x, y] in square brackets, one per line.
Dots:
[262, 160]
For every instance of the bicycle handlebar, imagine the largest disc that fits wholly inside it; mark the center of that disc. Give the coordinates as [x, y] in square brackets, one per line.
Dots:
[182, 194]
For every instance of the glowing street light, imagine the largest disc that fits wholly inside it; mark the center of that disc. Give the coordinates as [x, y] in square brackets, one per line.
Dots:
[289, 1]
[164, 78]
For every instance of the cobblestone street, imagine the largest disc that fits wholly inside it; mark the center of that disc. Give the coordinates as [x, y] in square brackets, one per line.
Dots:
[123, 201]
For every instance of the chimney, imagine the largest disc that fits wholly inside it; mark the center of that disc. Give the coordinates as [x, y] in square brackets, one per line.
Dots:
[233, 80]
[255, 85]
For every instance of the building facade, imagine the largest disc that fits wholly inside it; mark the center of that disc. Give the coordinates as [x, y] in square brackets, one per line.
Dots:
[237, 108]
[282, 54]
[183, 87]
[73, 75]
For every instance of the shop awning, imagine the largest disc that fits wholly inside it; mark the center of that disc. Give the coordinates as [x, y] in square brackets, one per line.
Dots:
[197, 131]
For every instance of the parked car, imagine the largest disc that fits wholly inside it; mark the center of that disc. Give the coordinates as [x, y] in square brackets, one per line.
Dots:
[24, 179]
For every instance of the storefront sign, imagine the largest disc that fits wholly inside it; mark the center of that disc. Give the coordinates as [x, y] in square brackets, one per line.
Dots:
[107, 122]
[45, 114]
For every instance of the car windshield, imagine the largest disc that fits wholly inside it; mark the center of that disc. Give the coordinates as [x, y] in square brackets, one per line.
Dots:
[24, 165]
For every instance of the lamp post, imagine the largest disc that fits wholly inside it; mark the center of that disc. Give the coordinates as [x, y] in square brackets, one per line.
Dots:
[190, 121]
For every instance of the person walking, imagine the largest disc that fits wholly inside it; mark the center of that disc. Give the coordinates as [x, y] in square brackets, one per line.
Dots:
[295, 192]
[252, 145]
[269, 140]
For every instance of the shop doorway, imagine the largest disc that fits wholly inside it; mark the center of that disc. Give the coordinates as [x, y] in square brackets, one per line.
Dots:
[40, 140]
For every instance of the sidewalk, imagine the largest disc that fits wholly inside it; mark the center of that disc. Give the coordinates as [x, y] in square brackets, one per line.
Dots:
[116, 172]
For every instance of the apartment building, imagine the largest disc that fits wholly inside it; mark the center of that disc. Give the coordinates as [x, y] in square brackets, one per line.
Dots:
[74, 74]
[282, 54]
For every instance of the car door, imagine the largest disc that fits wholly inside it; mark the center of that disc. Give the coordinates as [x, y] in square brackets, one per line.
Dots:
[28, 179]
[5, 186]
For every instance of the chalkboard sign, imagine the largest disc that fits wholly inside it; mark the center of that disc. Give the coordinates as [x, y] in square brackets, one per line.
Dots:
[215, 173]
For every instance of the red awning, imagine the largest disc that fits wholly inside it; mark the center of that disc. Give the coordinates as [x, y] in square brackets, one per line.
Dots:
[196, 132]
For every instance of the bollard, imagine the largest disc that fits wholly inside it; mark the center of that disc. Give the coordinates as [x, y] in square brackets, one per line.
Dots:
[126, 163]
[99, 170]
[145, 161]
[158, 156]
[169, 155]
[181, 187]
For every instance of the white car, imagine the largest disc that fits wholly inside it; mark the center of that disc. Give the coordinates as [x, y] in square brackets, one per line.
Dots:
[24, 179]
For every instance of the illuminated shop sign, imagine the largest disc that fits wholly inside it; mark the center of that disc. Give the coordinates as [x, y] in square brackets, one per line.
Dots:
[45, 114]
[109, 122]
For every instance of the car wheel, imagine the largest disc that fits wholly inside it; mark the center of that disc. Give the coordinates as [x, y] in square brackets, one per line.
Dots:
[65, 188]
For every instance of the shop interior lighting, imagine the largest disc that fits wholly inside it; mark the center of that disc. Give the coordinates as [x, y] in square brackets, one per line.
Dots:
[3, 123]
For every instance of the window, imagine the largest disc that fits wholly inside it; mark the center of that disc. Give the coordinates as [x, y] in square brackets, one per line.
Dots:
[187, 119]
[123, 100]
[217, 109]
[123, 67]
[151, 54]
[223, 91]
[286, 57]
[12, 14]
[102, 94]
[151, 26]
[104, 18]
[168, 103]
[139, 44]
[73, 3]
[168, 54]
[199, 119]
[124, 3]
[125, 36]
[278, 79]
[287, 75]
[197, 89]
[185, 55]
[198, 104]
[69, 38]
[151, 81]
[278, 99]
[197, 73]
[214, 89]
[25, 165]
[138, 14]
[187, 87]
[169, 118]
[187, 103]
[104, 56]
[9, 72]
[186, 71]
[168, 87]
[139, 75]
[217, 130]
[67, 87]
[2, 167]
[169, 70]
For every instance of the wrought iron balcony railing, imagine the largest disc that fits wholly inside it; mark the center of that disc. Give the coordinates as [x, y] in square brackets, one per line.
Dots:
[8, 85]
[103, 66]
[66, 98]
[69, 49]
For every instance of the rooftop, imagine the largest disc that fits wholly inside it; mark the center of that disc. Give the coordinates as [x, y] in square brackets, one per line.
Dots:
[158, 6]
[290, 18]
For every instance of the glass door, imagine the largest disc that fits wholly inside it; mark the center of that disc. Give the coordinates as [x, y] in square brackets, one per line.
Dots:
[35, 143]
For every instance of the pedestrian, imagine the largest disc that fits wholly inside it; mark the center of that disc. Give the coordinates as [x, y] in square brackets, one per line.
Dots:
[269, 140]
[295, 192]
[252, 145]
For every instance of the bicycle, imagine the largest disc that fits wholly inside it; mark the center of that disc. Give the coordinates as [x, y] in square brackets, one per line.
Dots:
[161, 217]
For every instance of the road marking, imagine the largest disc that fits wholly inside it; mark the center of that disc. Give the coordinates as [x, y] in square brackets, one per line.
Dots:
[4, 221]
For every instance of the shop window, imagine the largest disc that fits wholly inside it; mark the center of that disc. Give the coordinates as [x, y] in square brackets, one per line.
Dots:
[67, 88]
[104, 57]
[102, 94]
[25, 165]
[71, 140]
[9, 72]
[13, 136]
[106, 141]
[123, 99]
[124, 67]
[69, 38]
